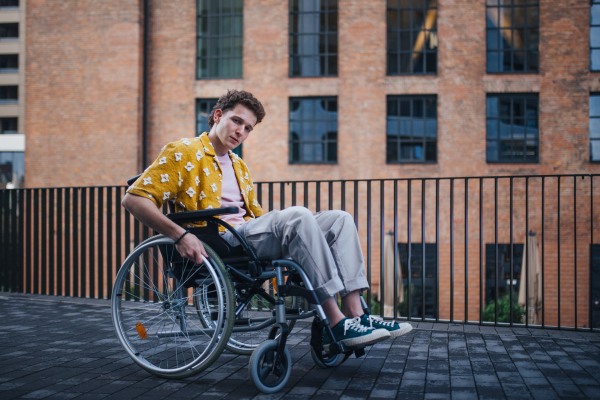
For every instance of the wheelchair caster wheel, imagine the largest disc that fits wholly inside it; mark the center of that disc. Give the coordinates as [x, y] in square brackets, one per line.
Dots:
[328, 361]
[265, 376]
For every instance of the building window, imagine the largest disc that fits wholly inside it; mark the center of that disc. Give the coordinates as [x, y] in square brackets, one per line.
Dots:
[512, 128]
[595, 300]
[411, 37]
[416, 273]
[9, 32]
[512, 35]
[9, 126]
[313, 38]
[595, 127]
[595, 35]
[219, 39]
[9, 95]
[411, 129]
[9, 63]
[313, 130]
[203, 109]
[9, 4]
[503, 270]
[12, 168]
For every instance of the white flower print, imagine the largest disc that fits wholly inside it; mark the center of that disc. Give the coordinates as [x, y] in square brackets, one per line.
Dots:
[248, 188]
[199, 155]
[166, 195]
[148, 181]
[206, 171]
[186, 142]
[197, 181]
[209, 207]
[162, 160]
[242, 192]
[189, 166]
[164, 178]
[214, 187]
[149, 195]
[181, 204]
[178, 156]
[206, 150]
[216, 166]
[255, 203]
[164, 147]
[202, 196]
[246, 177]
[191, 192]
[180, 180]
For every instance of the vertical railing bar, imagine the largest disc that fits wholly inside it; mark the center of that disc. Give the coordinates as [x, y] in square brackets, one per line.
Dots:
[343, 200]
[306, 194]
[466, 250]
[481, 271]
[527, 257]
[5, 237]
[100, 266]
[423, 244]
[318, 199]
[259, 193]
[543, 245]
[395, 248]
[44, 240]
[330, 195]
[368, 239]
[437, 250]
[294, 193]
[591, 273]
[109, 241]
[270, 196]
[451, 249]
[92, 240]
[146, 235]
[118, 233]
[510, 285]
[558, 259]
[575, 241]
[381, 248]
[52, 241]
[36, 236]
[127, 244]
[59, 239]
[83, 289]
[12, 242]
[356, 204]
[20, 287]
[76, 247]
[496, 250]
[136, 279]
[27, 232]
[68, 230]
[282, 195]
[409, 252]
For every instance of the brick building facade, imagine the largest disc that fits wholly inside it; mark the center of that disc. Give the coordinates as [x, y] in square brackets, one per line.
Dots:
[85, 95]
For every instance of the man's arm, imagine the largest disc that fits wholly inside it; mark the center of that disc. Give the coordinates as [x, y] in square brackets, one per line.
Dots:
[145, 211]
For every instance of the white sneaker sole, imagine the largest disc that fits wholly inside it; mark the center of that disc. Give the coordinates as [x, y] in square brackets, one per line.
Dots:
[405, 327]
[376, 336]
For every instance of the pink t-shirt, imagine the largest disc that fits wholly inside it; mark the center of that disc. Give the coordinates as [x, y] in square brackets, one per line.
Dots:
[230, 193]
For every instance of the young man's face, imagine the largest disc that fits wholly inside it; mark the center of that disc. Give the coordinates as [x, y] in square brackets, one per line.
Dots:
[231, 128]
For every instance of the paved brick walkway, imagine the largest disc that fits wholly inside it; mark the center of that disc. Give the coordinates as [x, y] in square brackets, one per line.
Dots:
[63, 348]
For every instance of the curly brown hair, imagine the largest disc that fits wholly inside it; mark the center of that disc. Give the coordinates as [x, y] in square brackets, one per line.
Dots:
[234, 97]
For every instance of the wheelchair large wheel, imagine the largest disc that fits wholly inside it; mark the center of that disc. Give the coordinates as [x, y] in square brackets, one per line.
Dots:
[254, 312]
[152, 309]
[264, 374]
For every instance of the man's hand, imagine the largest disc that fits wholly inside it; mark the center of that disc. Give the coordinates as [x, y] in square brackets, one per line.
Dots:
[191, 247]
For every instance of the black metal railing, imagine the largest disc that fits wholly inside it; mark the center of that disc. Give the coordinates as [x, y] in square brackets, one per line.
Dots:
[458, 255]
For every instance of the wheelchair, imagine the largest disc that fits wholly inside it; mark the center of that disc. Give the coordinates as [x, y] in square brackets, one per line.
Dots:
[174, 317]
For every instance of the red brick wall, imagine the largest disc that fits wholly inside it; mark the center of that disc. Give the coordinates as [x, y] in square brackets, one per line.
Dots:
[82, 121]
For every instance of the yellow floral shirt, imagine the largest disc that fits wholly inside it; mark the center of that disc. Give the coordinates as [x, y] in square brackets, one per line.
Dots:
[188, 173]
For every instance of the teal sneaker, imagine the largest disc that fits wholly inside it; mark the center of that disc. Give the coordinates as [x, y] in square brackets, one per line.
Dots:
[352, 333]
[394, 328]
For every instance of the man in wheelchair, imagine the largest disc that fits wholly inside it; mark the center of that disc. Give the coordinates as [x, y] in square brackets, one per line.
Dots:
[203, 173]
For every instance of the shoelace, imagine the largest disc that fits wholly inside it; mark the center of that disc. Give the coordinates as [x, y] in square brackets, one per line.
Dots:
[380, 320]
[354, 323]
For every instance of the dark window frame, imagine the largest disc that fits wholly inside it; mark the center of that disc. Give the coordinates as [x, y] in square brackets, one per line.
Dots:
[8, 122]
[203, 109]
[490, 118]
[212, 36]
[328, 144]
[8, 168]
[394, 15]
[9, 38]
[431, 300]
[426, 141]
[593, 25]
[493, 8]
[593, 118]
[8, 59]
[326, 36]
[492, 272]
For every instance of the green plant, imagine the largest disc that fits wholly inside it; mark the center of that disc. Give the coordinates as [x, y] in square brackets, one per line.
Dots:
[504, 310]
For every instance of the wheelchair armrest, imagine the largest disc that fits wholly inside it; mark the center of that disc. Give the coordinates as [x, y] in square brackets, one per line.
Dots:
[192, 216]
[130, 181]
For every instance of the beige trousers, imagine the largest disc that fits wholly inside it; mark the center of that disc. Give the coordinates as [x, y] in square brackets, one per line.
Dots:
[325, 244]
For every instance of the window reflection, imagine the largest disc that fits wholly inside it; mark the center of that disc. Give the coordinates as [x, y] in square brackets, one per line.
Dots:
[313, 130]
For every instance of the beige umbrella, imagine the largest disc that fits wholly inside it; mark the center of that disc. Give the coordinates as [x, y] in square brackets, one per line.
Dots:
[388, 276]
[534, 281]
